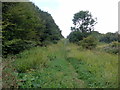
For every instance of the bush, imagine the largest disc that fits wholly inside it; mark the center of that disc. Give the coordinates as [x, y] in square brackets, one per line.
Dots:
[75, 36]
[89, 43]
[16, 45]
[112, 47]
[45, 43]
[109, 37]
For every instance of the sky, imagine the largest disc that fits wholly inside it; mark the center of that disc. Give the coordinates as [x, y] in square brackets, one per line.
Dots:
[63, 11]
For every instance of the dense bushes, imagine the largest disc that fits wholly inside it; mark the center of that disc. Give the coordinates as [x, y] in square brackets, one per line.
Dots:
[83, 26]
[24, 25]
[109, 37]
[112, 47]
[16, 45]
[75, 36]
[89, 42]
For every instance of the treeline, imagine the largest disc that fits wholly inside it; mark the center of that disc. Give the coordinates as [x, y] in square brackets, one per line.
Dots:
[24, 26]
[76, 36]
[109, 37]
[83, 32]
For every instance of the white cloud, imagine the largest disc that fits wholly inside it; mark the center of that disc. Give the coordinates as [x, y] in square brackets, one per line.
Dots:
[105, 10]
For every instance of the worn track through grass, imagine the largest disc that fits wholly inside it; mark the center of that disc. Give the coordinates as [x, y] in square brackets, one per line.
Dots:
[65, 65]
[55, 72]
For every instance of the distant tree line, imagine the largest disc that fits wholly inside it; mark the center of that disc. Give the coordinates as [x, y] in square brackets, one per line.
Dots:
[24, 25]
[83, 31]
[109, 37]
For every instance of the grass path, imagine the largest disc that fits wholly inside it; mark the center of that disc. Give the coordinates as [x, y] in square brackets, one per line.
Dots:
[97, 69]
[63, 71]
[65, 65]
[55, 72]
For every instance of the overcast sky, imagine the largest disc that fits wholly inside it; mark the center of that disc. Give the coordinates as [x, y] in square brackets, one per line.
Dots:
[62, 12]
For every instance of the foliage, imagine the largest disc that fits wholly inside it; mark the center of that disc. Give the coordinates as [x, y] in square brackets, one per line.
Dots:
[25, 21]
[89, 42]
[9, 76]
[83, 21]
[96, 34]
[16, 45]
[112, 47]
[63, 65]
[36, 59]
[96, 68]
[109, 37]
[75, 36]
[51, 70]
[59, 65]
[84, 25]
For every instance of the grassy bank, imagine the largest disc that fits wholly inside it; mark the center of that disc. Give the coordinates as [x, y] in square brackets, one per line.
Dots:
[64, 65]
[97, 69]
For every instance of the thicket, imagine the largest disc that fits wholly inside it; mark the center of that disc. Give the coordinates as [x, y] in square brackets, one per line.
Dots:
[83, 31]
[24, 25]
[109, 37]
[83, 26]
[88, 43]
[112, 47]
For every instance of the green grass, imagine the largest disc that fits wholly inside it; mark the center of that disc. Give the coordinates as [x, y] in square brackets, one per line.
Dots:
[46, 67]
[33, 59]
[65, 65]
[100, 69]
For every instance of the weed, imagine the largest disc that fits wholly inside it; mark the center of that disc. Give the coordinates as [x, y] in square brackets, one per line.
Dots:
[65, 65]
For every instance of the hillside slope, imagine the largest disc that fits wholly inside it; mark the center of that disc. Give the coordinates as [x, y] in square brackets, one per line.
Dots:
[24, 26]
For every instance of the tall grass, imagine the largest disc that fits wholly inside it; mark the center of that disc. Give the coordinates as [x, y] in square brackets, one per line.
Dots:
[31, 59]
[49, 65]
[103, 66]
[65, 65]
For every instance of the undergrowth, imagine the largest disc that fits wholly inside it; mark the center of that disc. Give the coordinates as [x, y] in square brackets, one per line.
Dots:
[63, 65]
[97, 69]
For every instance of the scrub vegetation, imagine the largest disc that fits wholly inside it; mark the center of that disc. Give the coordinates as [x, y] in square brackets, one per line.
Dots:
[36, 55]
[61, 65]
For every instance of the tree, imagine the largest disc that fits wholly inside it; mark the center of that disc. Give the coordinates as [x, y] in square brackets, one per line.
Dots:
[83, 22]
[96, 34]
[25, 25]
[109, 37]
[83, 26]
[75, 36]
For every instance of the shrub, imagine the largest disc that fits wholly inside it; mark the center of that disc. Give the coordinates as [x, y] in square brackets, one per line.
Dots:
[89, 43]
[109, 37]
[45, 43]
[16, 45]
[75, 36]
[112, 47]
